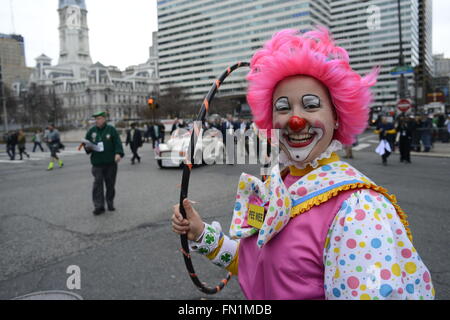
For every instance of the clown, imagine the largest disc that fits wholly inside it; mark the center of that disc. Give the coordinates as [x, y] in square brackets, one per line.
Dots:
[325, 230]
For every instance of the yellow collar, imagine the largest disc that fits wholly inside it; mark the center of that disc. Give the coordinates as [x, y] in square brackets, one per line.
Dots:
[294, 171]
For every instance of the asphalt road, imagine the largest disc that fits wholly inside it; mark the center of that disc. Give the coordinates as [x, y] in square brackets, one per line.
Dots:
[46, 224]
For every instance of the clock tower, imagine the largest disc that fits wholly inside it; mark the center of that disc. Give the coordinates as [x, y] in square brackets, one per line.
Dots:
[73, 35]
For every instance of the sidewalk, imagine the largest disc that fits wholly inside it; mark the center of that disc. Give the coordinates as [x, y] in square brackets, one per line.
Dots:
[439, 150]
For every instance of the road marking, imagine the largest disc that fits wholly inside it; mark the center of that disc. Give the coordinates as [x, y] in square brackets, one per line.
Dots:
[361, 146]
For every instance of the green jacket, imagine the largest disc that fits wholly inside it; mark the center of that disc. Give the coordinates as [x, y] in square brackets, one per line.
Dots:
[111, 142]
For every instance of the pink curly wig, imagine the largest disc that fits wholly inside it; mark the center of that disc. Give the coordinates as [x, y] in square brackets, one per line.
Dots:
[314, 53]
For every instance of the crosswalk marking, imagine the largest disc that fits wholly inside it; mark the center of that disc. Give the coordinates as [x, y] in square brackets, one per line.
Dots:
[4, 158]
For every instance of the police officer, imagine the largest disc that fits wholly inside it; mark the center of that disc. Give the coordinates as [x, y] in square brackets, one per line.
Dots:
[106, 153]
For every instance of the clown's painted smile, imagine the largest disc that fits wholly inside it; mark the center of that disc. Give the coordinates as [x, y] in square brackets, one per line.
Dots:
[298, 145]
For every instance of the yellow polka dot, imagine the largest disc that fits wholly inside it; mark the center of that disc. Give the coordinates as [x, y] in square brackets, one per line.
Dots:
[287, 202]
[239, 213]
[349, 219]
[400, 244]
[362, 244]
[366, 206]
[365, 180]
[242, 185]
[232, 227]
[413, 250]
[364, 297]
[410, 267]
[433, 293]
[362, 287]
[337, 274]
[378, 265]
[312, 177]
[389, 216]
[279, 225]
[377, 216]
[344, 166]
[396, 269]
[336, 250]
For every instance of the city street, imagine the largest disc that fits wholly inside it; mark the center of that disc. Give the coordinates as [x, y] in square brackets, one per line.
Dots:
[47, 225]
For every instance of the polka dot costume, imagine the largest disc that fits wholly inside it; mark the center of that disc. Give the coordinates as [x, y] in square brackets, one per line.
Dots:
[368, 255]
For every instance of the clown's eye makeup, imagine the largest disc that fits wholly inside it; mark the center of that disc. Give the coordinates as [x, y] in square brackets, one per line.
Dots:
[282, 104]
[311, 102]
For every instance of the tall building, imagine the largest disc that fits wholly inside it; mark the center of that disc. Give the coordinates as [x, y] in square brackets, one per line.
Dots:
[84, 87]
[369, 30]
[12, 60]
[198, 40]
[424, 70]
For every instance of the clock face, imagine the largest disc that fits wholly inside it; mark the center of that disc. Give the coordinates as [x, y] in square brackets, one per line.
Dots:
[73, 17]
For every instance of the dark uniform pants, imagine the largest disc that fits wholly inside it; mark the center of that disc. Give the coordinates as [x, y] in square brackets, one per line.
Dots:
[104, 174]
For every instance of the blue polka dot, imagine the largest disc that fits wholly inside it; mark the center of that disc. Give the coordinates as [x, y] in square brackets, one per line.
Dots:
[334, 172]
[417, 281]
[326, 168]
[317, 182]
[261, 232]
[336, 292]
[237, 206]
[368, 198]
[260, 242]
[342, 262]
[352, 257]
[385, 290]
[281, 213]
[376, 243]
[388, 258]
[410, 288]
[343, 286]
[344, 205]
[345, 228]
[239, 234]
[349, 209]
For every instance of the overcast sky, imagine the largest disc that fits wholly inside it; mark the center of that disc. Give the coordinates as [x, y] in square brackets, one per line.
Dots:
[121, 31]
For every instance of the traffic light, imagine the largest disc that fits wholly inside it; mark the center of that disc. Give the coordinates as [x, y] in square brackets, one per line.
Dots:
[152, 103]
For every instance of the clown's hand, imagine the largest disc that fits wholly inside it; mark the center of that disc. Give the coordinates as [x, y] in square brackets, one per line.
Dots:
[192, 226]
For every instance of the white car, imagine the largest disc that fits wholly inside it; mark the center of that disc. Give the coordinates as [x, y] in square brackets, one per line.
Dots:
[172, 154]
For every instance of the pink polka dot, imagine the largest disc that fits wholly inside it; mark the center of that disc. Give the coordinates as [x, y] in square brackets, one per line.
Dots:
[238, 197]
[237, 221]
[368, 256]
[331, 183]
[399, 231]
[385, 274]
[426, 277]
[351, 243]
[406, 253]
[337, 239]
[302, 191]
[374, 193]
[400, 290]
[354, 293]
[350, 172]
[378, 199]
[323, 174]
[342, 221]
[378, 227]
[428, 287]
[403, 274]
[280, 203]
[353, 282]
[360, 214]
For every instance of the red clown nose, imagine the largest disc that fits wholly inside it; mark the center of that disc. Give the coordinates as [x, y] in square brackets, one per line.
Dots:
[296, 123]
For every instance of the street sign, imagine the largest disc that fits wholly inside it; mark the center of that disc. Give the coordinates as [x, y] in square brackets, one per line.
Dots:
[402, 70]
[403, 105]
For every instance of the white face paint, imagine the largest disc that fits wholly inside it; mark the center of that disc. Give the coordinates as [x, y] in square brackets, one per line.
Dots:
[300, 154]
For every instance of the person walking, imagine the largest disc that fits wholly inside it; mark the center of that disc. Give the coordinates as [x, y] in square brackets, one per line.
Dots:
[54, 144]
[427, 133]
[385, 130]
[11, 142]
[134, 139]
[404, 137]
[21, 143]
[106, 151]
[155, 134]
[37, 140]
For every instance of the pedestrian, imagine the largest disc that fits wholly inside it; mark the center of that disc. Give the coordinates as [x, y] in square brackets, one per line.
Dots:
[162, 132]
[134, 139]
[317, 229]
[404, 138]
[105, 155]
[11, 143]
[37, 140]
[386, 131]
[53, 141]
[155, 134]
[21, 143]
[426, 132]
[416, 132]
[447, 130]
